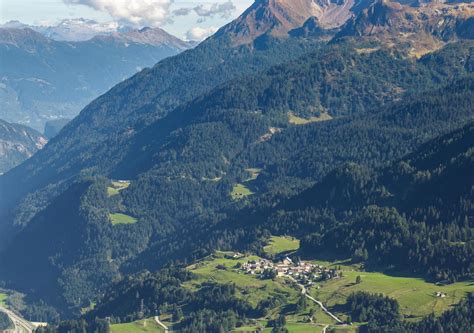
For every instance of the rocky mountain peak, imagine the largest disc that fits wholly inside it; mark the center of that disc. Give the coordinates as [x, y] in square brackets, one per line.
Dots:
[279, 17]
[421, 29]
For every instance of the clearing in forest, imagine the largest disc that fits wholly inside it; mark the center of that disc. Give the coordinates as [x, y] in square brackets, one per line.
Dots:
[119, 218]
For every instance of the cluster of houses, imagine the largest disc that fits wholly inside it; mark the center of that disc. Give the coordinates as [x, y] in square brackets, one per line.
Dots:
[302, 271]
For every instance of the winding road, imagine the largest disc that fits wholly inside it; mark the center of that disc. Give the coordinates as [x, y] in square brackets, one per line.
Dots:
[21, 325]
[158, 321]
[321, 305]
[324, 309]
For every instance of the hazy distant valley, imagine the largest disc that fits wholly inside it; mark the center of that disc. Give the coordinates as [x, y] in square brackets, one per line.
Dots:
[43, 79]
[45, 82]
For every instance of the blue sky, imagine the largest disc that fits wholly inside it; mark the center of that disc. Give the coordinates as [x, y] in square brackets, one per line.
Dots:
[176, 16]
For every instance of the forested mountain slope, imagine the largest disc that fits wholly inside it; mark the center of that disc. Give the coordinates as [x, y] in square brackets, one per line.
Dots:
[272, 116]
[119, 116]
[261, 102]
[108, 124]
[295, 159]
[185, 223]
[414, 215]
[353, 206]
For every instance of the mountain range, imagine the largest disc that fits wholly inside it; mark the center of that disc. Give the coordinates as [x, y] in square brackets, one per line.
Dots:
[346, 124]
[43, 79]
[70, 30]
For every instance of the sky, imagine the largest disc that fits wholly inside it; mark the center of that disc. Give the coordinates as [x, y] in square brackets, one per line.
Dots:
[189, 19]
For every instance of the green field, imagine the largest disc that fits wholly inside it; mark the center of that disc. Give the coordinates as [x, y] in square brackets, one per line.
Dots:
[115, 188]
[295, 120]
[253, 290]
[281, 244]
[240, 191]
[249, 287]
[299, 328]
[312, 328]
[303, 328]
[146, 325]
[416, 297]
[119, 218]
[293, 327]
[3, 298]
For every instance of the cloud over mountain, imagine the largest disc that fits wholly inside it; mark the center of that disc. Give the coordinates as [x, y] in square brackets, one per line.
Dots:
[199, 34]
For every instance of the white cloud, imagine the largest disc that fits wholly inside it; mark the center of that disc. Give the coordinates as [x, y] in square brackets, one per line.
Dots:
[182, 11]
[221, 10]
[198, 33]
[134, 12]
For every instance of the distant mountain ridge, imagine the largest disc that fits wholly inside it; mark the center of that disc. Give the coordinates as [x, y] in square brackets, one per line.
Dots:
[147, 36]
[69, 30]
[43, 79]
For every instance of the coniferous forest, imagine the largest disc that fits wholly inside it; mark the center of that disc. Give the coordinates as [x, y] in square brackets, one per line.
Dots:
[291, 173]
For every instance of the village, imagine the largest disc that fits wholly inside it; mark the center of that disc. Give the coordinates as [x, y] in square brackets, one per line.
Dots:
[303, 272]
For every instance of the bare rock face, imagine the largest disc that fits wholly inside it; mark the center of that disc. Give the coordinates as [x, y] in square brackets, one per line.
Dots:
[279, 17]
[357, 17]
[421, 29]
[17, 143]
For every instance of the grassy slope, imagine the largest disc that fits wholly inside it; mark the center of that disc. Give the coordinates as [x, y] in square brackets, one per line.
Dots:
[416, 296]
[240, 191]
[295, 120]
[299, 328]
[250, 288]
[137, 327]
[3, 298]
[115, 188]
[254, 290]
[281, 244]
[118, 218]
